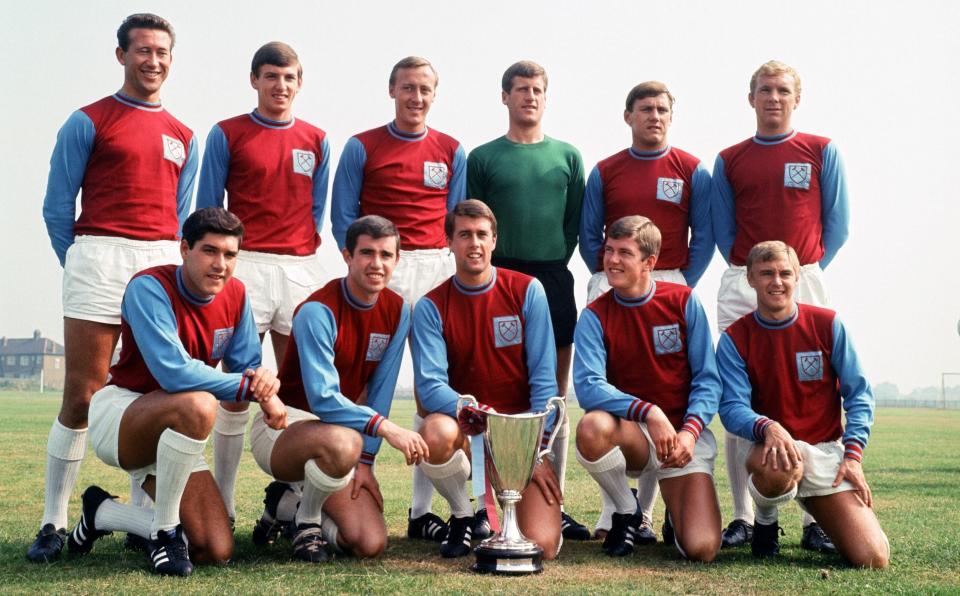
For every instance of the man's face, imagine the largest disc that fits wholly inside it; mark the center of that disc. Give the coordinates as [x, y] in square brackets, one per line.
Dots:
[413, 92]
[526, 100]
[649, 120]
[774, 99]
[208, 266]
[276, 87]
[370, 266]
[627, 268]
[774, 282]
[146, 63]
[472, 245]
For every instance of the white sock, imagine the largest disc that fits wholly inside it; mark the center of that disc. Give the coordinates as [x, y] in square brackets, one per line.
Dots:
[737, 473]
[647, 490]
[450, 479]
[806, 519]
[610, 472]
[287, 507]
[317, 486]
[176, 456]
[559, 452]
[65, 450]
[228, 430]
[112, 516]
[768, 507]
[138, 496]
[607, 509]
[422, 502]
[329, 531]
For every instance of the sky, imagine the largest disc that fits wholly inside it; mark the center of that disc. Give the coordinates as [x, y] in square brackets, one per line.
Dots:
[877, 80]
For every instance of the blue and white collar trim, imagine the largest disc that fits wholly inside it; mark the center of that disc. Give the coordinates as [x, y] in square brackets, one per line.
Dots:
[769, 324]
[648, 155]
[268, 123]
[406, 136]
[476, 290]
[192, 298]
[351, 299]
[632, 302]
[136, 103]
[774, 140]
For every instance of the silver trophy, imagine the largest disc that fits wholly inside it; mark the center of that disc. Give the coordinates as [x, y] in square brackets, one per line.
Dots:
[512, 445]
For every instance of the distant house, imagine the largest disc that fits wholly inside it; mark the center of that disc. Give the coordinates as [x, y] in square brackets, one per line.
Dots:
[27, 358]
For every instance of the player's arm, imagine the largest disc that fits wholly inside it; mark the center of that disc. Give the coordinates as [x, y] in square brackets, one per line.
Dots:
[736, 411]
[701, 228]
[68, 164]
[383, 382]
[457, 187]
[722, 213]
[321, 176]
[216, 167]
[858, 400]
[705, 385]
[147, 309]
[539, 347]
[592, 216]
[574, 205]
[186, 182]
[347, 184]
[834, 205]
[430, 360]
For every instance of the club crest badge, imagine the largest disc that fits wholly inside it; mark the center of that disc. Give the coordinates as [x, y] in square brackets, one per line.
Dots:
[377, 346]
[173, 150]
[303, 162]
[434, 174]
[507, 331]
[221, 339]
[810, 366]
[670, 190]
[666, 339]
[797, 175]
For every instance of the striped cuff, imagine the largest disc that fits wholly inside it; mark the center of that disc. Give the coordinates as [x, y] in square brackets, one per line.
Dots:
[243, 389]
[367, 458]
[760, 427]
[638, 410]
[544, 440]
[852, 449]
[373, 425]
[693, 425]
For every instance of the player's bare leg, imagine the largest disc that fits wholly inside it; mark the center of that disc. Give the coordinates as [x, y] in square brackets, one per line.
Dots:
[564, 358]
[770, 488]
[538, 515]
[204, 519]
[279, 341]
[448, 467]
[695, 515]
[853, 527]
[360, 528]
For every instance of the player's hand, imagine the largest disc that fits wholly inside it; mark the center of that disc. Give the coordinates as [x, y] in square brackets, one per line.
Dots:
[263, 383]
[544, 477]
[683, 452]
[852, 470]
[780, 448]
[407, 442]
[363, 478]
[274, 412]
[662, 433]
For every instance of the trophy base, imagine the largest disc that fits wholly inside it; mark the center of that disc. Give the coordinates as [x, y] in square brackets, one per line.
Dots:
[508, 562]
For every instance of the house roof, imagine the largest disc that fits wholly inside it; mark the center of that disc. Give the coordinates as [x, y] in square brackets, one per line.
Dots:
[29, 346]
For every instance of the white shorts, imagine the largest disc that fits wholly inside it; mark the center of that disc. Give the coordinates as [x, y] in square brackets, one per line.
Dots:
[704, 454]
[98, 268]
[419, 271]
[598, 281]
[736, 298]
[263, 438]
[277, 284]
[106, 411]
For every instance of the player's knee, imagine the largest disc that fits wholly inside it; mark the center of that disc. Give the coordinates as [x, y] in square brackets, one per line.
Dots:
[214, 550]
[440, 432]
[196, 413]
[702, 548]
[595, 434]
[550, 545]
[369, 545]
[343, 450]
[873, 554]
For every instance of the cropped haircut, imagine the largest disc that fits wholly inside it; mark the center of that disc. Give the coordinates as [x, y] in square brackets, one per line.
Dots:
[527, 69]
[648, 89]
[643, 231]
[275, 53]
[143, 20]
[371, 225]
[472, 208]
[211, 220]
[769, 250]
[773, 68]
[413, 62]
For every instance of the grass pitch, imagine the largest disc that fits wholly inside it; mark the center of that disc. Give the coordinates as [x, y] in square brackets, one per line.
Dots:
[912, 465]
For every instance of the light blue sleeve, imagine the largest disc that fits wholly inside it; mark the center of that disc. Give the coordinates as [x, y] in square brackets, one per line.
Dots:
[705, 386]
[185, 184]
[147, 309]
[594, 392]
[834, 204]
[457, 189]
[858, 400]
[736, 410]
[216, 167]
[722, 212]
[347, 184]
[701, 228]
[592, 217]
[68, 164]
[383, 382]
[321, 177]
[539, 347]
[430, 365]
[244, 350]
[315, 330]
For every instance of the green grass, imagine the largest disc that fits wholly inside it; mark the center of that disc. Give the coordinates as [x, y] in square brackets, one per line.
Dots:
[912, 465]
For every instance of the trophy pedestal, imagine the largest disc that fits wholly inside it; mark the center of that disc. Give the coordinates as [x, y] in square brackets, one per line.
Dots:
[508, 561]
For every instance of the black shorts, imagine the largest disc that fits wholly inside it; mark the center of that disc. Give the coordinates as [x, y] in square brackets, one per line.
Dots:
[557, 283]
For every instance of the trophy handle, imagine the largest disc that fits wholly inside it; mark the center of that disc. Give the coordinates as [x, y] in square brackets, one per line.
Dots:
[466, 400]
[560, 406]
